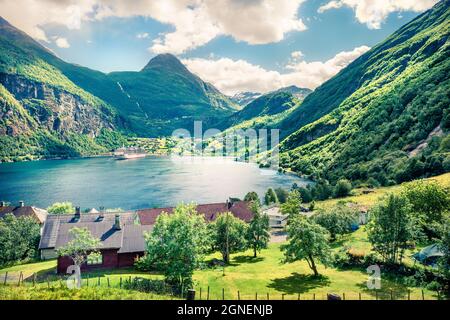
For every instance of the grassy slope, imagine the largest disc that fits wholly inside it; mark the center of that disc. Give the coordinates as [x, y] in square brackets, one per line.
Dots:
[378, 108]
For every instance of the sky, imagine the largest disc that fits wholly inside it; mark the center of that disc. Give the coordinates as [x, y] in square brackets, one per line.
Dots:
[237, 45]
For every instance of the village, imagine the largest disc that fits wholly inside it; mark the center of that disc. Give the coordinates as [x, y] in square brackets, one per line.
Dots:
[121, 244]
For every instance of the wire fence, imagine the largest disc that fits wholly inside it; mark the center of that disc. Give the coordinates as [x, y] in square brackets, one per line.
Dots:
[160, 287]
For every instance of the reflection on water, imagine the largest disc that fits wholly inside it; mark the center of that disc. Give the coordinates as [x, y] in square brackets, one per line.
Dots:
[133, 184]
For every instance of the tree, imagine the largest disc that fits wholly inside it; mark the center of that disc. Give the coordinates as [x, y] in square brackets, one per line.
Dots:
[282, 195]
[81, 246]
[309, 241]
[444, 245]
[258, 234]
[229, 235]
[177, 244]
[252, 196]
[391, 227]
[343, 188]
[338, 220]
[270, 197]
[292, 206]
[430, 202]
[61, 208]
[19, 238]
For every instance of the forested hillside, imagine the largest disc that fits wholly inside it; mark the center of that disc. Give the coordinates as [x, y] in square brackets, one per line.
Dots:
[385, 116]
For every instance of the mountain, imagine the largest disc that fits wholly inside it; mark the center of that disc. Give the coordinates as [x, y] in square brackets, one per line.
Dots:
[43, 112]
[385, 116]
[271, 107]
[53, 108]
[244, 98]
[171, 96]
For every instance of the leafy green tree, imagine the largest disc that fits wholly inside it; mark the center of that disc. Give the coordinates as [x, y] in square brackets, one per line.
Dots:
[338, 220]
[430, 202]
[306, 194]
[270, 197]
[19, 238]
[343, 188]
[177, 244]
[392, 225]
[308, 241]
[229, 235]
[292, 206]
[81, 246]
[258, 234]
[282, 194]
[61, 208]
[252, 196]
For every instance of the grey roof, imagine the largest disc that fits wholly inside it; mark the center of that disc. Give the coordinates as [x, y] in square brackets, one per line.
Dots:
[133, 238]
[56, 229]
[24, 211]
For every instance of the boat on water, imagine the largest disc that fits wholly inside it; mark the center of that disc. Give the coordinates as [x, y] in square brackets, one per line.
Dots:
[129, 153]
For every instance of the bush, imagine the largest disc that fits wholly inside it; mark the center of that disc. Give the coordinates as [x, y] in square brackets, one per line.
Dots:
[343, 188]
[338, 220]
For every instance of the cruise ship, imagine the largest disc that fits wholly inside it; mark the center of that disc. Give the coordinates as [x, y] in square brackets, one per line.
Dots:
[129, 153]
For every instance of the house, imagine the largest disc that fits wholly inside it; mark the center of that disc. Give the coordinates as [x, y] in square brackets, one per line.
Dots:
[23, 211]
[277, 220]
[239, 209]
[121, 238]
[121, 234]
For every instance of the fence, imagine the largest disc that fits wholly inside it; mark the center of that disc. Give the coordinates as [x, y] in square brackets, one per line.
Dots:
[155, 286]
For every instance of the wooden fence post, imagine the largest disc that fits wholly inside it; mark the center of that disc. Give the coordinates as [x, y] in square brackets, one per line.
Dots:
[120, 283]
[256, 296]
[423, 295]
[223, 293]
[343, 296]
[409, 294]
[200, 293]
[282, 296]
[6, 278]
[34, 279]
[392, 295]
[360, 296]
[20, 277]
[268, 298]
[314, 296]
[298, 297]
[239, 295]
[98, 281]
[207, 297]
[48, 283]
[87, 281]
[107, 279]
[376, 295]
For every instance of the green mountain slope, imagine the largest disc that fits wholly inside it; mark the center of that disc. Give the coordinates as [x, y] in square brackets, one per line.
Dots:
[267, 110]
[384, 116]
[43, 112]
[171, 96]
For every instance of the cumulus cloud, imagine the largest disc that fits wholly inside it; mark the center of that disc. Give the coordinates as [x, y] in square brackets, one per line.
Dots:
[374, 12]
[194, 22]
[62, 43]
[233, 76]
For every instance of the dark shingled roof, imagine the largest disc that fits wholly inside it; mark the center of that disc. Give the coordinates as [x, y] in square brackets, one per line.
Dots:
[25, 211]
[56, 229]
[240, 209]
[133, 240]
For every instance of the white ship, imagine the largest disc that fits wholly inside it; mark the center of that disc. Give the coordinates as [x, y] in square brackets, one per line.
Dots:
[129, 153]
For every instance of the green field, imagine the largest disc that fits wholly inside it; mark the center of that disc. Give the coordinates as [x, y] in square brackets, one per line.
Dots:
[264, 275]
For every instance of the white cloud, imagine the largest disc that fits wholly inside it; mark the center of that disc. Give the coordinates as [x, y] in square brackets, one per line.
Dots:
[374, 12]
[143, 35]
[233, 76]
[62, 43]
[296, 54]
[195, 22]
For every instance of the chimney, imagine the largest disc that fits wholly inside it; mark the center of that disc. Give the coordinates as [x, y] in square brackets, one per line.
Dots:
[117, 222]
[2, 204]
[229, 204]
[21, 203]
[77, 212]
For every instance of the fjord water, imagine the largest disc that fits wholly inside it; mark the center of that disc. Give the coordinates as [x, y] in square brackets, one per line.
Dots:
[133, 184]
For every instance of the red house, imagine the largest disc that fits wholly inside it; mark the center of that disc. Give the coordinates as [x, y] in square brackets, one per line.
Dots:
[121, 234]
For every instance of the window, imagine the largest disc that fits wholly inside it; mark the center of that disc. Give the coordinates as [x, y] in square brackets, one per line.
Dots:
[94, 259]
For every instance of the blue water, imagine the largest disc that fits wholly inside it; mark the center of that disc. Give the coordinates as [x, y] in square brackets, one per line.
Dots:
[133, 184]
